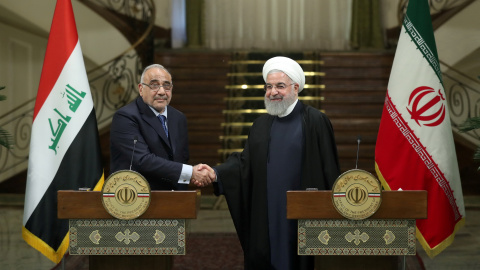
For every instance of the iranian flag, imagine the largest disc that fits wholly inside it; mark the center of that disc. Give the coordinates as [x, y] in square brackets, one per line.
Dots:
[415, 148]
[64, 145]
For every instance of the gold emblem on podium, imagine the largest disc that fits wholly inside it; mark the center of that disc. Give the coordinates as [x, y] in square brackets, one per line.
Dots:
[356, 194]
[126, 195]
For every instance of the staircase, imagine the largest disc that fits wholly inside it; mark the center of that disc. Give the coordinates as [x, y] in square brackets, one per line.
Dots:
[245, 101]
[355, 88]
[349, 87]
[351, 91]
[199, 80]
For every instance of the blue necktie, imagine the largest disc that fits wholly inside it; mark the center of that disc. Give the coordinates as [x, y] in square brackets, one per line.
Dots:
[163, 119]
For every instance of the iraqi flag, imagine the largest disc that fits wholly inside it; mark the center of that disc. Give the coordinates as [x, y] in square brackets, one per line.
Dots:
[64, 145]
[415, 148]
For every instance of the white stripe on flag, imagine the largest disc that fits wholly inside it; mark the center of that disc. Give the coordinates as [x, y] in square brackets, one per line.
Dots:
[443, 154]
[44, 162]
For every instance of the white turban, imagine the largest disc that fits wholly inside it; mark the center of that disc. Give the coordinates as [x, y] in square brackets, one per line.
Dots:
[287, 66]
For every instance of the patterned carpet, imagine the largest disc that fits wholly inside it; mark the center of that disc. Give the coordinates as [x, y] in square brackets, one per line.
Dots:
[212, 252]
[205, 251]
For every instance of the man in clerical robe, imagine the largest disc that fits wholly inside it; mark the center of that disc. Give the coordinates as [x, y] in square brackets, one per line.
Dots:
[290, 148]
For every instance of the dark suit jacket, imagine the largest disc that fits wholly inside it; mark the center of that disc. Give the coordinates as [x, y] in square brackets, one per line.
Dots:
[157, 159]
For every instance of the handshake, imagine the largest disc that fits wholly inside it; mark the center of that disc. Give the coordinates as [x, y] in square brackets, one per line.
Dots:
[202, 175]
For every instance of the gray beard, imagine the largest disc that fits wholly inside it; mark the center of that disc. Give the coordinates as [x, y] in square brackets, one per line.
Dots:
[279, 107]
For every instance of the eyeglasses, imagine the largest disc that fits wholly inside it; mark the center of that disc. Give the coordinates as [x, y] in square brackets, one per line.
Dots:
[156, 86]
[279, 86]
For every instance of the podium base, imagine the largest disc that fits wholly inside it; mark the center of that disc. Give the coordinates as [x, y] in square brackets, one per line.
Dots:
[130, 262]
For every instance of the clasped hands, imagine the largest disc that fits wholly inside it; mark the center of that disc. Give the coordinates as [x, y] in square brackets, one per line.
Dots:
[203, 175]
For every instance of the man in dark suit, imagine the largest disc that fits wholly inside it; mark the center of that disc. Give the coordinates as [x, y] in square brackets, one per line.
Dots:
[159, 134]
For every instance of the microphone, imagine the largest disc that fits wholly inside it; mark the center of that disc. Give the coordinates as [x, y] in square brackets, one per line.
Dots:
[135, 139]
[359, 138]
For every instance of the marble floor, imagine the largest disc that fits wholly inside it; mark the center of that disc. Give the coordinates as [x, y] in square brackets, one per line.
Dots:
[213, 217]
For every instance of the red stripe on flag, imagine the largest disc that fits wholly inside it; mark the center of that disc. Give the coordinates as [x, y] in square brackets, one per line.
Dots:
[397, 147]
[62, 40]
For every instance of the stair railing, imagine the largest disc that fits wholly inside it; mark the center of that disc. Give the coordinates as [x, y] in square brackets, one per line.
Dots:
[463, 96]
[113, 84]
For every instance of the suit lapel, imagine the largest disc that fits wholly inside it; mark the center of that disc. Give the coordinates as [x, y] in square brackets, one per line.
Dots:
[172, 129]
[149, 117]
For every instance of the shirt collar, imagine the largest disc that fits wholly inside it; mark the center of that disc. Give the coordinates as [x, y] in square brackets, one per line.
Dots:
[157, 113]
[289, 109]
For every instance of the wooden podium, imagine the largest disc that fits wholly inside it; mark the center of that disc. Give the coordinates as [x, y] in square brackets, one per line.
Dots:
[143, 243]
[379, 242]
